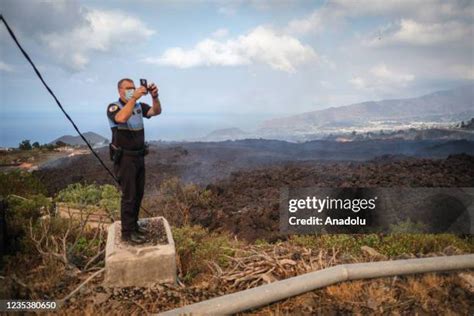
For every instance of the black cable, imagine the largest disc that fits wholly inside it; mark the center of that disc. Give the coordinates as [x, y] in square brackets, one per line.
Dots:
[25, 54]
[55, 98]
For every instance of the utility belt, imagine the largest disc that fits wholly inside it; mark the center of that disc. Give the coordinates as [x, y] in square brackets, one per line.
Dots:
[116, 152]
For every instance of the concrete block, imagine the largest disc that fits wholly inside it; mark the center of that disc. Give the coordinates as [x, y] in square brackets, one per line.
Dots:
[139, 265]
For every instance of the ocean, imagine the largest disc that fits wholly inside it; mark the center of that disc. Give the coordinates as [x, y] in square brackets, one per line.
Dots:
[45, 127]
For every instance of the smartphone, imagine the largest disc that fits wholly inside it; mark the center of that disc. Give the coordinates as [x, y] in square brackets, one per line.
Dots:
[144, 84]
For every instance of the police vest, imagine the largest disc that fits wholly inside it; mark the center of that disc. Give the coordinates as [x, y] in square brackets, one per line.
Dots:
[134, 123]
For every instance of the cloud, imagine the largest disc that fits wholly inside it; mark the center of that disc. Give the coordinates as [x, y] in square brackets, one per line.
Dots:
[100, 32]
[383, 73]
[382, 78]
[38, 17]
[338, 11]
[425, 10]
[411, 32]
[317, 21]
[73, 33]
[358, 82]
[460, 71]
[430, 38]
[227, 10]
[220, 33]
[6, 67]
[231, 8]
[260, 45]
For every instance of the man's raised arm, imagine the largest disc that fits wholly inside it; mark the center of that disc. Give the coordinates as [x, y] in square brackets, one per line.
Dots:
[124, 114]
[156, 108]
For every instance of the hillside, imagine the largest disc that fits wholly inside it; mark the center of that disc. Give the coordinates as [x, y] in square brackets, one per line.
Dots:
[95, 139]
[438, 107]
[232, 133]
[227, 240]
[205, 162]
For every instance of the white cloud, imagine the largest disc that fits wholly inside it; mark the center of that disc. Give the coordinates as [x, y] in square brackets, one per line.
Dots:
[382, 72]
[35, 17]
[459, 71]
[220, 33]
[337, 11]
[311, 23]
[231, 8]
[325, 60]
[425, 10]
[382, 78]
[427, 38]
[411, 32]
[228, 10]
[326, 84]
[317, 21]
[261, 45]
[5, 67]
[358, 82]
[102, 31]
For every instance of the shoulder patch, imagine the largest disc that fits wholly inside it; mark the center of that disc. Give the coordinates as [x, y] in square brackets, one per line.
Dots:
[113, 108]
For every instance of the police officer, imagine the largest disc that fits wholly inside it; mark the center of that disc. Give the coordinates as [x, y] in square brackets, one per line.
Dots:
[128, 149]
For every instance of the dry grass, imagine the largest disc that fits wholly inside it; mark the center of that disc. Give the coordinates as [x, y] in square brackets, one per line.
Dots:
[57, 254]
[420, 294]
[212, 265]
[253, 265]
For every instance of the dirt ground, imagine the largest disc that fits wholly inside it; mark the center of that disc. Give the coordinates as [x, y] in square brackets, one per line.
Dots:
[248, 190]
[247, 202]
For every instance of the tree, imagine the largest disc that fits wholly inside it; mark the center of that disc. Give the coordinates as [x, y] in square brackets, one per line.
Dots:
[60, 143]
[48, 146]
[36, 145]
[25, 145]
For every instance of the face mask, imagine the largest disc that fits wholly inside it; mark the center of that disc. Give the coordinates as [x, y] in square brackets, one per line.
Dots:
[129, 94]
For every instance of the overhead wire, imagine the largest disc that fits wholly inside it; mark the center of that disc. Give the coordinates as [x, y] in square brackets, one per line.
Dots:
[27, 57]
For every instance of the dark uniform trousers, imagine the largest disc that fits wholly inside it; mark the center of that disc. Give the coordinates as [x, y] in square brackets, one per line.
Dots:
[130, 172]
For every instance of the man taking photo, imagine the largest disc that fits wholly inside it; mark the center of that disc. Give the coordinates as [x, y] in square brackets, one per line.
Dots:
[128, 150]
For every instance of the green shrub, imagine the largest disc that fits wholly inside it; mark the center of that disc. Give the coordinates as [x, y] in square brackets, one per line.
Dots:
[21, 183]
[390, 245]
[80, 194]
[261, 242]
[195, 247]
[397, 244]
[110, 198]
[104, 196]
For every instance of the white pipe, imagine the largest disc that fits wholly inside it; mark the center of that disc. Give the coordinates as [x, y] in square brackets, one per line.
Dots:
[269, 293]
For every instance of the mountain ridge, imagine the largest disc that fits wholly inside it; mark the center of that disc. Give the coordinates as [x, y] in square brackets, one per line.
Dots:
[443, 105]
[93, 138]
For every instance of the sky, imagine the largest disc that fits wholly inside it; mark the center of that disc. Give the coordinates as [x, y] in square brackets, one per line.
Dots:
[222, 64]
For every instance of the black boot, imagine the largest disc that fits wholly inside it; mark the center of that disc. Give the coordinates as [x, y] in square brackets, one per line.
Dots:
[134, 238]
[141, 230]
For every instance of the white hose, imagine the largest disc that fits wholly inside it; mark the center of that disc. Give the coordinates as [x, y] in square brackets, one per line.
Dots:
[269, 293]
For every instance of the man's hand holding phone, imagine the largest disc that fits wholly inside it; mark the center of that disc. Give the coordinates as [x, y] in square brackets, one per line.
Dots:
[139, 92]
[153, 90]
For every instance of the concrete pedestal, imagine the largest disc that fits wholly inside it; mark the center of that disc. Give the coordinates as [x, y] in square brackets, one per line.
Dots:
[139, 265]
